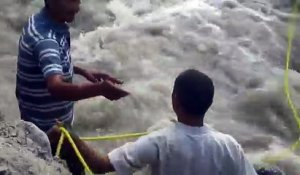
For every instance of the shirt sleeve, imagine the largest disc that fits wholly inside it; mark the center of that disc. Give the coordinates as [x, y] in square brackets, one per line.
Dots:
[134, 156]
[47, 52]
[245, 168]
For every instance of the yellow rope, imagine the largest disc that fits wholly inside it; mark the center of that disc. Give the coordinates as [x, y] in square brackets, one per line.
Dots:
[114, 137]
[291, 34]
[59, 145]
[84, 164]
[65, 133]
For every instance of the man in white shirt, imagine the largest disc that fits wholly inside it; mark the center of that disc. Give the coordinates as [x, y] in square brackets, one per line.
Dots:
[188, 147]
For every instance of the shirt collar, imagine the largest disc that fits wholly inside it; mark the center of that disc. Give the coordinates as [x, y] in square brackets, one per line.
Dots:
[59, 27]
[192, 129]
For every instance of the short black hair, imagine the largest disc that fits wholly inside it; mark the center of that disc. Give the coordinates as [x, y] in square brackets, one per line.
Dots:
[46, 3]
[194, 91]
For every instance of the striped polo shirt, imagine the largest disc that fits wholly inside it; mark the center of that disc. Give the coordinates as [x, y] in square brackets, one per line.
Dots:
[44, 50]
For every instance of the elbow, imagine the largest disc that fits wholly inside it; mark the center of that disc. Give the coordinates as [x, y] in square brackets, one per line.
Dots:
[62, 92]
[55, 92]
[55, 87]
[101, 169]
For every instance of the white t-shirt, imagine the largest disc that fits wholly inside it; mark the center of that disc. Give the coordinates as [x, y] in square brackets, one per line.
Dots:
[183, 150]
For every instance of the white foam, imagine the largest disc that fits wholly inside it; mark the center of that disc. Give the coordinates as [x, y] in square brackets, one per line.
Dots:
[241, 45]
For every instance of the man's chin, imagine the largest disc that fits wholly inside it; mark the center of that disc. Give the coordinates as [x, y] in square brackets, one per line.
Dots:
[70, 19]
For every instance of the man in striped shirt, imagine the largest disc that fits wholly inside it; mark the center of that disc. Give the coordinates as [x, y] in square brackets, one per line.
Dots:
[44, 87]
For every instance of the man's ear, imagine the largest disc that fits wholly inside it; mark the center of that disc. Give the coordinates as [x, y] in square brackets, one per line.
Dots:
[175, 102]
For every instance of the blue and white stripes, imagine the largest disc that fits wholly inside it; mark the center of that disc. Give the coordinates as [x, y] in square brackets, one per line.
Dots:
[43, 52]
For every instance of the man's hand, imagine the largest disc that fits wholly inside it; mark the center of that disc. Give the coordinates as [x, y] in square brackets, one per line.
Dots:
[112, 92]
[74, 92]
[96, 76]
[99, 164]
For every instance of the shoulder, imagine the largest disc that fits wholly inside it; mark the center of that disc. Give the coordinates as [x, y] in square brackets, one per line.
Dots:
[36, 30]
[162, 133]
[225, 139]
[155, 137]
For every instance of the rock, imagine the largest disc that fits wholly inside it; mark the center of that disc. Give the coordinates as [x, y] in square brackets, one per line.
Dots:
[25, 149]
[4, 171]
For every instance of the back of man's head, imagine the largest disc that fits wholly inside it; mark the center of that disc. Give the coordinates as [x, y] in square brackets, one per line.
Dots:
[46, 3]
[194, 92]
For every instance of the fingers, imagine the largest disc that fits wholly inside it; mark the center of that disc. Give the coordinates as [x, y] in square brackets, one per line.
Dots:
[100, 76]
[123, 93]
[92, 79]
[118, 94]
[114, 92]
[114, 80]
[105, 77]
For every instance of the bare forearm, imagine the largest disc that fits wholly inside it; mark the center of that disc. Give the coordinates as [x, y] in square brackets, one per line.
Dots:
[97, 163]
[71, 92]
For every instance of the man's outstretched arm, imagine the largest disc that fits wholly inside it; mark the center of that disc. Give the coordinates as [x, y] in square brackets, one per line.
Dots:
[48, 55]
[124, 160]
[97, 163]
[95, 75]
[72, 92]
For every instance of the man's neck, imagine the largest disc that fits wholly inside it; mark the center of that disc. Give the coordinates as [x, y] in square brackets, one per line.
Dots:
[191, 120]
[54, 16]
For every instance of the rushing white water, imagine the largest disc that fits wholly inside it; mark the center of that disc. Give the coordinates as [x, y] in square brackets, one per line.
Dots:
[147, 43]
